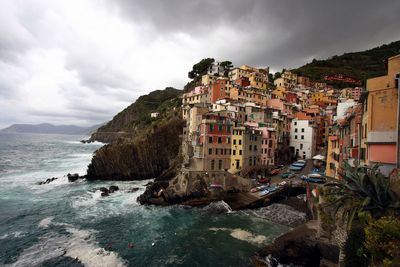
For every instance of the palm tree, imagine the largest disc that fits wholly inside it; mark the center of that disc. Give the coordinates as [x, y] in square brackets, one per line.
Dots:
[362, 190]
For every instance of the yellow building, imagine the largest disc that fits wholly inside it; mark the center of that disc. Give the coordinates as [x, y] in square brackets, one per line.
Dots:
[245, 148]
[280, 92]
[208, 79]
[332, 159]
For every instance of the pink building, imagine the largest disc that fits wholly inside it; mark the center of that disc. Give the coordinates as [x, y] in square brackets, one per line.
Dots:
[268, 144]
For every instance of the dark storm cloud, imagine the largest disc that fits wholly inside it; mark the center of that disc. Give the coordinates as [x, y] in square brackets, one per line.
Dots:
[88, 59]
[277, 33]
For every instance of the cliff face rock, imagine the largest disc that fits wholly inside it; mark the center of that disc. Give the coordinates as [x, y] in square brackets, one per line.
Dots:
[144, 158]
[126, 124]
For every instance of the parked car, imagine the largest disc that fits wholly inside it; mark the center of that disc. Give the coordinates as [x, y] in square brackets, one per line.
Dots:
[313, 178]
[274, 172]
[295, 168]
[288, 175]
[300, 163]
[264, 180]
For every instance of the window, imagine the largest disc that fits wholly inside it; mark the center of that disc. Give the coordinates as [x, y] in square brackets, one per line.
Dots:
[209, 151]
[216, 151]
[210, 139]
[212, 164]
[255, 148]
[295, 130]
[302, 137]
[301, 146]
[240, 152]
[295, 137]
[250, 161]
[249, 147]
[234, 152]
[220, 127]
[240, 141]
[211, 127]
[302, 130]
[295, 123]
[228, 140]
[220, 164]
[219, 140]
[234, 141]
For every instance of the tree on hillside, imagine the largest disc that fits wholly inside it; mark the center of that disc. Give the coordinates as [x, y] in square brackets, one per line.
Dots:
[227, 65]
[277, 75]
[200, 68]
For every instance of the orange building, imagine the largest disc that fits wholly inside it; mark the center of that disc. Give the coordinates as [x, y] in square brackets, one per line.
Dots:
[382, 117]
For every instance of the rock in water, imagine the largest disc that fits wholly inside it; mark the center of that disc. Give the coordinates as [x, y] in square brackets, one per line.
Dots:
[113, 188]
[72, 177]
[218, 207]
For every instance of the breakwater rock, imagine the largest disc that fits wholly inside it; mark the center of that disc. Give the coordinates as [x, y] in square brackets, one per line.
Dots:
[279, 213]
[299, 247]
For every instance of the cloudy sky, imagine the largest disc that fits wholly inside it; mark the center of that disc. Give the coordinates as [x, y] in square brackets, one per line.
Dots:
[82, 61]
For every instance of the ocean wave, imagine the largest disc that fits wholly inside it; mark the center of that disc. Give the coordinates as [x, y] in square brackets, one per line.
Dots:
[45, 222]
[92, 206]
[78, 244]
[95, 143]
[16, 234]
[243, 235]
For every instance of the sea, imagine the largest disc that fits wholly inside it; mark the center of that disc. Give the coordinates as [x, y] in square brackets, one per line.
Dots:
[70, 224]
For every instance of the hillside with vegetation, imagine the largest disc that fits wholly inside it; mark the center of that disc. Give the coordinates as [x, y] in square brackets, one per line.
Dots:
[136, 116]
[358, 65]
[140, 147]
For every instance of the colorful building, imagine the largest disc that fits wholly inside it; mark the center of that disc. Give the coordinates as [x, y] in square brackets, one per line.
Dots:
[246, 148]
[382, 119]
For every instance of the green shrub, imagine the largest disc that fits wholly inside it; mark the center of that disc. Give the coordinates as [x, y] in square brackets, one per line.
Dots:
[382, 240]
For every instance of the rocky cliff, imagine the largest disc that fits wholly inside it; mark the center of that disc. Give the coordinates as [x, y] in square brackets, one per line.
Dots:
[136, 117]
[140, 147]
[144, 158]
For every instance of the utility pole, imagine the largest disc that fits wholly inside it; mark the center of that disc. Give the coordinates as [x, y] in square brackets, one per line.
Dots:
[398, 120]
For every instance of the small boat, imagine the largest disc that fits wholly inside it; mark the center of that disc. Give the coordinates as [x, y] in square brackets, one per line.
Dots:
[263, 193]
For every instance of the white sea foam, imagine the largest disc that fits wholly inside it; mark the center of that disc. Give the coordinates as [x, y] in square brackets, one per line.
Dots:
[78, 244]
[243, 235]
[15, 234]
[95, 143]
[83, 246]
[45, 222]
[88, 200]
[92, 205]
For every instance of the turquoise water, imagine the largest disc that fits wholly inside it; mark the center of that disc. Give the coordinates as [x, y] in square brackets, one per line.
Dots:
[70, 224]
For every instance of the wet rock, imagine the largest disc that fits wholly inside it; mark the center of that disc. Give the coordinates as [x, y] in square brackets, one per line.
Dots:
[48, 180]
[154, 190]
[104, 191]
[86, 141]
[299, 247]
[133, 189]
[73, 177]
[218, 207]
[113, 188]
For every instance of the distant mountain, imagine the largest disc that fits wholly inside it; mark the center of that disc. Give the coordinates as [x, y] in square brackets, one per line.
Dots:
[47, 128]
[357, 65]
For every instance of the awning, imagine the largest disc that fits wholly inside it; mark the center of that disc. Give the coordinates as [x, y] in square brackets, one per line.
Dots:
[319, 157]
